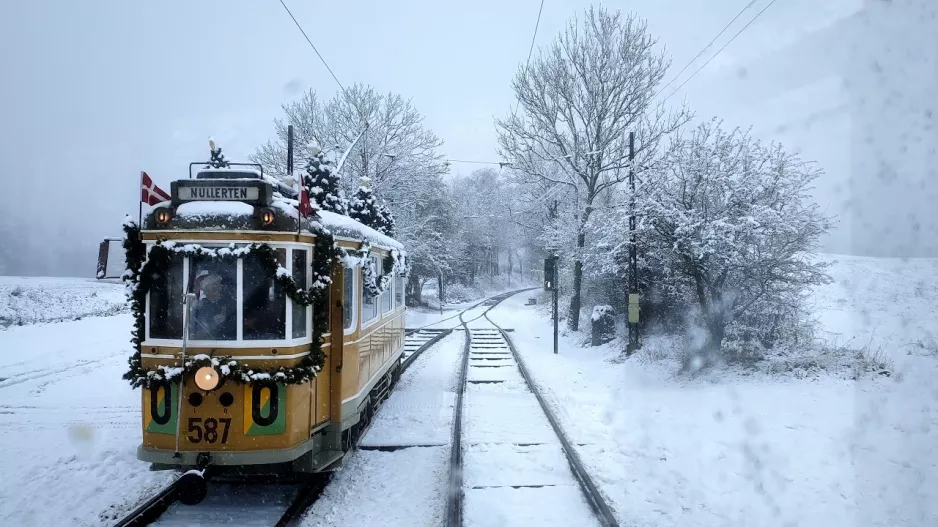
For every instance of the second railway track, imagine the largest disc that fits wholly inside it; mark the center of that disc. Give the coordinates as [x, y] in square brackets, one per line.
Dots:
[511, 462]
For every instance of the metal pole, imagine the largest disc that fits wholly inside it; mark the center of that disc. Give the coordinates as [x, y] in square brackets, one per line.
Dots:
[633, 256]
[186, 318]
[556, 318]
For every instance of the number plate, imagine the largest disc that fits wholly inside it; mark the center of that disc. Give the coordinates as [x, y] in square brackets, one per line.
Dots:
[208, 430]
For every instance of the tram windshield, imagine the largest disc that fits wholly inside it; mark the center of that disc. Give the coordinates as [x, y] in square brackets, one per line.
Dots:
[265, 308]
[166, 303]
[215, 284]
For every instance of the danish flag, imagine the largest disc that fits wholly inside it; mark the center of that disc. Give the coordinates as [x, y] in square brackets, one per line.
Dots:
[304, 206]
[149, 192]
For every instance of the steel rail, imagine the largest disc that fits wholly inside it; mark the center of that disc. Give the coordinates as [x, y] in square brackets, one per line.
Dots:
[454, 495]
[592, 494]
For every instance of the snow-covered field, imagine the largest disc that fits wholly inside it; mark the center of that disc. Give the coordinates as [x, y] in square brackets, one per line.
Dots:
[30, 300]
[762, 449]
[69, 425]
[720, 449]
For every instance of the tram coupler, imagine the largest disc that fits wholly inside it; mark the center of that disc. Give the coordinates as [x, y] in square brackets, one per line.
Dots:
[192, 487]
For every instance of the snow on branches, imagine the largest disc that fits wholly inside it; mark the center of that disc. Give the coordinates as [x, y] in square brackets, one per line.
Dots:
[735, 219]
[323, 182]
[364, 207]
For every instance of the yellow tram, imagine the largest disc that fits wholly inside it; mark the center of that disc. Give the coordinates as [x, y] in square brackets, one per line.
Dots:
[227, 326]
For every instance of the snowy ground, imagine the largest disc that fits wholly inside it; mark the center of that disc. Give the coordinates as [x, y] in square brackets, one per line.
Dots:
[762, 449]
[718, 450]
[402, 487]
[69, 425]
[26, 301]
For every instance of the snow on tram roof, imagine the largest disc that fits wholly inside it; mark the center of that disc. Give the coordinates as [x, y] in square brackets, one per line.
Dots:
[341, 225]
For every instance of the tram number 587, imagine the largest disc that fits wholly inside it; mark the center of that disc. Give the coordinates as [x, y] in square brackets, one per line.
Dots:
[207, 430]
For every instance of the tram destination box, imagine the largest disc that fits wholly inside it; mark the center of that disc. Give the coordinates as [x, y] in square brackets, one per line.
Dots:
[256, 192]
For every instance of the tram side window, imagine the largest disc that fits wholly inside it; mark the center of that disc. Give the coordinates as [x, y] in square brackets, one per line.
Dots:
[348, 298]
[215, 311]
[386, 300]
[398, 290]
[265, 307]
[369, 303]
[166, 303]
[299, 276]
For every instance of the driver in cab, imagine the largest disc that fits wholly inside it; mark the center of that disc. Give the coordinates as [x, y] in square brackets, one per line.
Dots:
[214, 315]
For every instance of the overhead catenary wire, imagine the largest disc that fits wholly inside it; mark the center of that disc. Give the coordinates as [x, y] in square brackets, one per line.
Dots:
[730, 41]
[705, 48]
[318, 54]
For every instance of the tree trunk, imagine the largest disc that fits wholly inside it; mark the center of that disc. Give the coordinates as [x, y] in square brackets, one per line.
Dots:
[413, 290]
[574, 321]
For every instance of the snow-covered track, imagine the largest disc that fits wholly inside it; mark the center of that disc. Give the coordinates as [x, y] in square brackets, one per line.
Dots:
[151, 509]
[419, 341]
[590, 491]
[511, 462]
[255, 501]
[454, 503]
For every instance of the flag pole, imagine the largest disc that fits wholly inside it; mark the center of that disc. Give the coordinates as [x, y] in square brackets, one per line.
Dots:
[140, 203]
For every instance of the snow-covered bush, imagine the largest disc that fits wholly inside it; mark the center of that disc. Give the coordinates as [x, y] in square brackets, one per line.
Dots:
[733, 222]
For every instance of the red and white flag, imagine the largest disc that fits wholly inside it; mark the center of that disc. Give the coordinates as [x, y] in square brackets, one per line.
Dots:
[149, 192]
[305, 207]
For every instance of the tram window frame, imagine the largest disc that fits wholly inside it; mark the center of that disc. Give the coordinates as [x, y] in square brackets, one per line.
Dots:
[398, 290]
[175, 280]
[349, 299]
[373, 308]
[300, 272]
[278, 302]
[231, 294]
[387, 298]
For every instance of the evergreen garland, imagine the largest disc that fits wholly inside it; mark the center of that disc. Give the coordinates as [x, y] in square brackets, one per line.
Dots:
[394, 263]
[142, 270]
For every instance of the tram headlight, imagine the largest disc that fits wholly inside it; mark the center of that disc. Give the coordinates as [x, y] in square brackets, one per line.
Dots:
[206, 378]
[162, 216]
[267, 217]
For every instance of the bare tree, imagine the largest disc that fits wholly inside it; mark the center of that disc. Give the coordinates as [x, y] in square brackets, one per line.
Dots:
[579, 101]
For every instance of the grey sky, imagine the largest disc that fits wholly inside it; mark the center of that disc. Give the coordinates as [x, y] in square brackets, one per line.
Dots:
[97, 90]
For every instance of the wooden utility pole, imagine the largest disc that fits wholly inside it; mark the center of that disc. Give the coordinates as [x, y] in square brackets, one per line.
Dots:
[633, 305]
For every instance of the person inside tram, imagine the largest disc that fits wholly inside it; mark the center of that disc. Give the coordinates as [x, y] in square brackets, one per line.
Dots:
[214, 314]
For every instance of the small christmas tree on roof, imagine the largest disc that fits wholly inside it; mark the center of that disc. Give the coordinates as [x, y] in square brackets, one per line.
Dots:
[363, 206]
[323, 182]
[218, 159]
[385, 220]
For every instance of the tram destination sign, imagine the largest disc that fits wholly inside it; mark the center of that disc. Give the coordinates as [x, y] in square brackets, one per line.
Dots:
[256, 192]
[219, 193]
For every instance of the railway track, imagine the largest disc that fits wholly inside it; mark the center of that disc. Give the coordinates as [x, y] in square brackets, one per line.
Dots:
[263, 501]
[511, 462]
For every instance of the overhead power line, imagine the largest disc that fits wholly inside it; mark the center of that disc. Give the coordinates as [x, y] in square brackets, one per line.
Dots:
[705, 48]
[324, 63]
[704, 65]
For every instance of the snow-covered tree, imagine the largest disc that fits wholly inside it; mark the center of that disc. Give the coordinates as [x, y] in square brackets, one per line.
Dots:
[385, 219]
[578, 102]
[218, 159]
[736, 221]
[323, 182]
[363, 206]
[396, 152]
